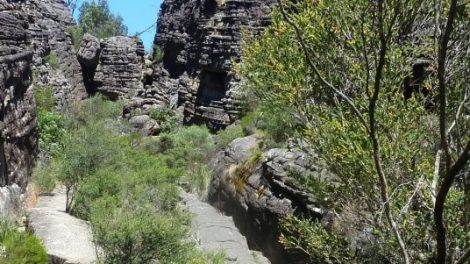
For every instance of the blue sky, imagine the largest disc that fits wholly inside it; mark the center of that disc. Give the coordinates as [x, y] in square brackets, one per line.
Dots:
[138, 15]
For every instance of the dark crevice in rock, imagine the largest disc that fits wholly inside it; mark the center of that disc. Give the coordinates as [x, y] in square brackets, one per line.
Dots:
[212, 88]
[3, 165]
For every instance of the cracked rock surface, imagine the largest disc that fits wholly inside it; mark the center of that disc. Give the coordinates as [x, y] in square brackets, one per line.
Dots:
[214, 231]
[67, 239]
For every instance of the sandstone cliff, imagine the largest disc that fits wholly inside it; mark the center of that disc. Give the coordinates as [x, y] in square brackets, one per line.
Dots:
[49, 23]
[18, 126]
[200, 40]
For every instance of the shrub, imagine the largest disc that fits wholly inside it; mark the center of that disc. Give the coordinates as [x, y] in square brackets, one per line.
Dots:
[53, 60]
[133, 232]
[158, 54]
[51, 132]
[165, 117]
[230, 133]
[20, 247]
[322, 245]
[43, 177]
[76, 35]
[44, 96]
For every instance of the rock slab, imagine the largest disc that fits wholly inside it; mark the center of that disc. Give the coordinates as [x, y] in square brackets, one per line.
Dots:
[214, 231]
[67, 240]
[257, 194]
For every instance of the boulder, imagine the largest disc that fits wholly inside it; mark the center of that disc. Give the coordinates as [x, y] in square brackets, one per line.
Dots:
[120, 69]
[50, 22]
[145, 125]
[89, 52]
[258, 190]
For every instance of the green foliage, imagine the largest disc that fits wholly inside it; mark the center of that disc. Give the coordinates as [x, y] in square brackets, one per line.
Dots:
[44, 96]
[137, 233]
[76, 34]
[51, 132]
[322, 245]
[289, 98]
[96, 19]
[20, 247]
[158, 54]
[53, 60]
[165, 117]
[43, 177]
[226, 136]
[126, 186]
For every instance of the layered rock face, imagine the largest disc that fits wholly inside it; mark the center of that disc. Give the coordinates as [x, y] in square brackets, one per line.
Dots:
[258, 190]
[49, 22]
[120, 68]
[18, 125]
[200, 40]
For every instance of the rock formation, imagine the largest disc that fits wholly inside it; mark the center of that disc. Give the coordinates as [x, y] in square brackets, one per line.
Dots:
[200, 40]
[120, 68]
[214, 231]
[18, 126]
[258, 190]
[89, 52]
[66, 239]
[49, 23]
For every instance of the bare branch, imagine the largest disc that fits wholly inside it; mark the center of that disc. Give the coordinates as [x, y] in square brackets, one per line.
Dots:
[465, 257]
[450, 172]
[435, 178]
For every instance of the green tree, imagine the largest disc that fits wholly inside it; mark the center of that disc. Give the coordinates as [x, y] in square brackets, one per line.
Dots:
[96, 19]
[339, 66]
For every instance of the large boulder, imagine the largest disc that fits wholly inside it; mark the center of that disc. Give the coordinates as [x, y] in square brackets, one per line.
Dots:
[89, 52]
[121, 65]
[259, 189]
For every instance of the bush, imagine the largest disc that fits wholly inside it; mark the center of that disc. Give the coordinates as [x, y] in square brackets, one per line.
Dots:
[226, 136]
[53, 60]
[134, 232]
[127, 186]
[20, 247]
[51, 132]
[165, 117]
[322, 246]
[44, 96]
[76, 35]
[43, 177]
[158, 54]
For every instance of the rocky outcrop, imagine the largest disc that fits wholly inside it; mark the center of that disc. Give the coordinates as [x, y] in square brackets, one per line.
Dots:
[258, 189]
[89, 52]
[18, 125]
[65, 238]
[120, 68]
[49, 24]
[216, 232]
[200, 40]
